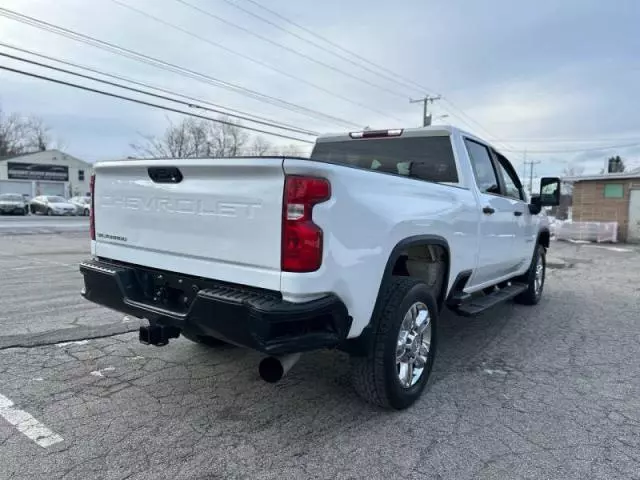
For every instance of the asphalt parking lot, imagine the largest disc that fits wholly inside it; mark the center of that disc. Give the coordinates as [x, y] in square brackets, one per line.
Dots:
[546, 392]
[38, 224]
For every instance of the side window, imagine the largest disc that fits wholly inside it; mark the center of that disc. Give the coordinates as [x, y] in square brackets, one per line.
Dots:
[510, 182]
[81, 175]
[486, 177]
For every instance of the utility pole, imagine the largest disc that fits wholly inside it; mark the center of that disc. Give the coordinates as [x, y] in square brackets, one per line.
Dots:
[426, 117]
[531, 164]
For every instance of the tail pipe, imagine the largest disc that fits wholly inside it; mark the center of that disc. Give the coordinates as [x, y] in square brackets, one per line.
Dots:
[273, 369]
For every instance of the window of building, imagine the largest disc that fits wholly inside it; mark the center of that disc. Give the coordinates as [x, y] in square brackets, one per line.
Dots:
[81, 175]
[613, 190]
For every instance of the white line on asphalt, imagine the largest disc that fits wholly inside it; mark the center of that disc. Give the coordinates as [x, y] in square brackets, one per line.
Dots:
[27, 425]
[76, 342]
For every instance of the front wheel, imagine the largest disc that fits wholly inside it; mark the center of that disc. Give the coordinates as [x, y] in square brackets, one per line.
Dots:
[49, 212]
[534, 278]
[396, 370]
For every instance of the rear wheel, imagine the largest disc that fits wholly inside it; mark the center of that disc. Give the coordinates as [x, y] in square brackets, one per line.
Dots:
[49, 212]
[534, 278]
[203, 339]
[396, 370]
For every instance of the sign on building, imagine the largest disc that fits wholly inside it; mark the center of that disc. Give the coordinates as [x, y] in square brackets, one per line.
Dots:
[33, 171]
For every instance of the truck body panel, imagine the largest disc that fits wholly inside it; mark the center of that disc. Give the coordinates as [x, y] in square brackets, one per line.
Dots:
[222, 220]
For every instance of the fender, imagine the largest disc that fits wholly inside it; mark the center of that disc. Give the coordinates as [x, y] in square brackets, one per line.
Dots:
[362, 345]
[544, 236]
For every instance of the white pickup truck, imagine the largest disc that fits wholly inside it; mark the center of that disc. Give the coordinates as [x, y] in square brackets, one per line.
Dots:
[357, 248]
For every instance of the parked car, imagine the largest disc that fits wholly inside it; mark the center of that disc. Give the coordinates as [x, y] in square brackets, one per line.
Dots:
[358, 248]
[83, 205]
[13, 203]
[52, 205]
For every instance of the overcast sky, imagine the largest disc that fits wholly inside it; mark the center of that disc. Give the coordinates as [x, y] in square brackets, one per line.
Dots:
[543, 76]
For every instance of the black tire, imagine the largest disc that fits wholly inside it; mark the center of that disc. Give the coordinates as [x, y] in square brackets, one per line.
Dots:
[49, 212]
[531, 296]
[203, 339]
[375, 376]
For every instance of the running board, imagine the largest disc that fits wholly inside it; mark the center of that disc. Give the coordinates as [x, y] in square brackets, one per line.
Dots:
[476, 305]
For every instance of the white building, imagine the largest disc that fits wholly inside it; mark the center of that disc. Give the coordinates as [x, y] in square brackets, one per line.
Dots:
[51, 172]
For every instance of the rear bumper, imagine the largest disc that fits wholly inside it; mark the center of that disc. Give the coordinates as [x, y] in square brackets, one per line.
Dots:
[253, 318]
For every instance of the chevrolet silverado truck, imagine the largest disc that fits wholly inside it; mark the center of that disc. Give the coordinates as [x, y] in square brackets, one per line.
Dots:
[357, 248]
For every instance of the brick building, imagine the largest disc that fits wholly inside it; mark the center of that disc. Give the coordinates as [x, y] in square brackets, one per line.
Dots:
[613, 197]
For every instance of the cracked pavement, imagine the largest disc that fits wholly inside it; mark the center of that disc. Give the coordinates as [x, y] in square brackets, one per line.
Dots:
[40, 287]
[545, 392]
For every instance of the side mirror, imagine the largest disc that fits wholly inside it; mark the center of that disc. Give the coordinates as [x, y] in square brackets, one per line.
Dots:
[549, 192]
[535, 207]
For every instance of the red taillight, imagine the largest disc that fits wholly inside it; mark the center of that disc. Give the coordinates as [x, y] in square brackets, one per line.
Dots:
[301, 238]
[92, 212]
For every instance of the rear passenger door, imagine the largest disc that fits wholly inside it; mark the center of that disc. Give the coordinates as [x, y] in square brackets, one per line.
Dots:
[498, 230]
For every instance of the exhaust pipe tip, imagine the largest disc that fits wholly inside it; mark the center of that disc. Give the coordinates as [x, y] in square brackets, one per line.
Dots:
[273, 369]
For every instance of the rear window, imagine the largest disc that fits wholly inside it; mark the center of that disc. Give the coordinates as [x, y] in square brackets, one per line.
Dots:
[425, 158]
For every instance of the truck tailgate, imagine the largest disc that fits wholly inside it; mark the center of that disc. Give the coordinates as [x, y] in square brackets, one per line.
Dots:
[222, 220]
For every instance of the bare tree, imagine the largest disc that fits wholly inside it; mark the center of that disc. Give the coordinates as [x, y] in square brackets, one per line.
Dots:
[259, 147]
[226, 139]
[571, 171]
[293, 150]
[20, 134]
[194, 138]
[38, 135]
[13, 134]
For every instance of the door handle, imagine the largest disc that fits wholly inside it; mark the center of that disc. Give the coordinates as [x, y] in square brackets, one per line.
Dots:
[517, 213]
[488, 210]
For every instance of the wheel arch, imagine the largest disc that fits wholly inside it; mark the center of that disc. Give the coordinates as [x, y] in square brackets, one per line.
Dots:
[544, 237]
[361, 344]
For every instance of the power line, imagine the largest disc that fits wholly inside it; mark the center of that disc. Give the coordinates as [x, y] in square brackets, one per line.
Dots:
[569, 140]
[151, 94]
[578, 150]
[287, 48]
[319, 46]
[166, 66]
[462, 116]
[251, 59]
[339, 47]
[149, 104]
[191, 104]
